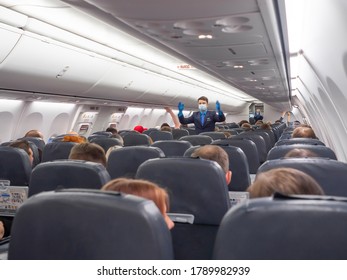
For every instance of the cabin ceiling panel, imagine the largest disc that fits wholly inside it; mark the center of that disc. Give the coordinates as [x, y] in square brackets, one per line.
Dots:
[171, 10]
[49, 68]
[8, 41]
[235, 31]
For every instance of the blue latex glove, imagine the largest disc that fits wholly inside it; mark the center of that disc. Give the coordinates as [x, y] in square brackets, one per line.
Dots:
[180, 109]
[218, 107]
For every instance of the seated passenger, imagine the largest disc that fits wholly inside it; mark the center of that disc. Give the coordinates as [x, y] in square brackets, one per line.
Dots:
[89, 152]
[265, 126]
[112, 130]
[165, 127]
[5, 226]
[242, 122]
[2, 229]
[300, 153]
[303, 132]
[247, 126]
[217, 154]
[144, 189]
[140, 128]
[23, 144]
[34, 133]
[286, 181]
[74, 137]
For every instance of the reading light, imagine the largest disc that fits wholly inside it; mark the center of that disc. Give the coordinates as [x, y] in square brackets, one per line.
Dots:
[205, 36]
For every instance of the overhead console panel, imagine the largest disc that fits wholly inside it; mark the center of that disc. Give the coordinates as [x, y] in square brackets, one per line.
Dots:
[236, 41]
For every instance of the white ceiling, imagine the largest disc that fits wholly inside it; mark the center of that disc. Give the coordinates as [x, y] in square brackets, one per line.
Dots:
[245, 48]
[47, 37]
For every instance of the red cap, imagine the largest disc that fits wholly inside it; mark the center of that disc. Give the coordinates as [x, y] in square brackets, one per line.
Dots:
[140, 128]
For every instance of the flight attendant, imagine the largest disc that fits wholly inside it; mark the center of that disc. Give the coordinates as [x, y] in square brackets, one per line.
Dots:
[204, 120]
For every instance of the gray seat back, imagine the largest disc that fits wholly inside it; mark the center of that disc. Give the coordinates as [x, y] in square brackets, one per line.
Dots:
[292, 141]
[125, 161]
[172, 148]
[330, 174]
[215, 135]
[321, 151]
[248, 147]
[238, 164]
[178, 133]
[57, 150]
[284, 228]
[57, 174]
[198, 201]
[196, 140]
[79, 224]
[136, 139]
[158, 135]
[14, 166]
[106, 142]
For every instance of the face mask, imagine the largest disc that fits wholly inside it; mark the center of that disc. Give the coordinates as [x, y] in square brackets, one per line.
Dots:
[202, 107]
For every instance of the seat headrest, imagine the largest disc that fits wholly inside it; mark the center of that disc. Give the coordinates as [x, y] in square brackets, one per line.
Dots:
[124, 162]
[329, 174]
[14, 166]
[51, 175]
[57, 150]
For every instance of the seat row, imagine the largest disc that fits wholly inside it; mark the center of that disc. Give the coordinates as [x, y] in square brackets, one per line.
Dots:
[96, 225]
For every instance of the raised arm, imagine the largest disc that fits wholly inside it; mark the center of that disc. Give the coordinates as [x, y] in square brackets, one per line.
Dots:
[173, 116]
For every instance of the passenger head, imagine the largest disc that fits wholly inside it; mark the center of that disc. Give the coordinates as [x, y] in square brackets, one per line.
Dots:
[265, 126]
[34, 133]
[303, 132]
[164, 124]
[259, 123]
[227, 134]
[242, 122]
[74, 138]
[217, 154]
[246, 126]
[300, 153]
[139, 128]
[284, 180]
[203, 103]
[144, 189]
[166, 128]
[24, 145]
[112, 130]
[89, 152]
